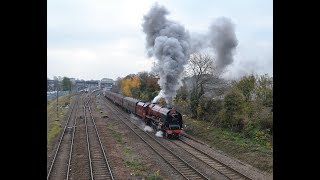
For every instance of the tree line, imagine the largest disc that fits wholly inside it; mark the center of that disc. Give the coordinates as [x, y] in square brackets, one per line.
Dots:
[59, 83]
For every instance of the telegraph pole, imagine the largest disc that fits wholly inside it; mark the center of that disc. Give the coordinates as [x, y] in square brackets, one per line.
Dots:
[57, 103]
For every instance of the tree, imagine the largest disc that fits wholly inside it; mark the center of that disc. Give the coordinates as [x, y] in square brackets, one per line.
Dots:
[130, 86]
[66, 84]
[202, 70]
[56, 82]
[182, 92]
[148, 88]
[247, 86]
[265, 90]
[48, 85]
[234, 107]
[116, 88]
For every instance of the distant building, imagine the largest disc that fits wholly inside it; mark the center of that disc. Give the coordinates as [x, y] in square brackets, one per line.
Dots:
[106, 83]
[93, 84]
[80, 85]
[50, 85]
[73, 80]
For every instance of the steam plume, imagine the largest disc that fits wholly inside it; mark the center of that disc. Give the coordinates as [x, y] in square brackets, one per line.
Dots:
[168, 41]
[147, 129]
[159, 134]
[223, 40]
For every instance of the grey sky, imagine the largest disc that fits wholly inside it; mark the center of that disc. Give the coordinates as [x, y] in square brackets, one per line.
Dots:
[93, 39]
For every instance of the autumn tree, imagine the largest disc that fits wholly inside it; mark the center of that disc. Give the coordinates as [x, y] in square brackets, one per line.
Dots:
[130, 86]
[149, 88]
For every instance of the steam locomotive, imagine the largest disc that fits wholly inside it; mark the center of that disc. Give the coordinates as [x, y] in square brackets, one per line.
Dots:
[167, 120]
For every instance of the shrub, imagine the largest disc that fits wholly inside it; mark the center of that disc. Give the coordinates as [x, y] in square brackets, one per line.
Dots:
[233, 105]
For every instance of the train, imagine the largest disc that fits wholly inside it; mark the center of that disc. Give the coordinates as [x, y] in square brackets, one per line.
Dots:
[160, 118]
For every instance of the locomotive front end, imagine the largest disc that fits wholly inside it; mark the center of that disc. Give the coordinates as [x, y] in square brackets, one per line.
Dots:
[174, 124]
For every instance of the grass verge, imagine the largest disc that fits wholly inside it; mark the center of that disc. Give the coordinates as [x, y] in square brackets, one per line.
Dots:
[55, 118]
[250, 151]
[136, 166]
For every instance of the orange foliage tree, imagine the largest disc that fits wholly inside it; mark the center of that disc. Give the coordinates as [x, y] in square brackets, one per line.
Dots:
[129, 85]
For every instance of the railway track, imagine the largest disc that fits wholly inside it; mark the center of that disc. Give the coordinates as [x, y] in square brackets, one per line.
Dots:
[224, 169]
[80, 168]
[87, 159]
[60, 165]
[185, 169]
[98, 161]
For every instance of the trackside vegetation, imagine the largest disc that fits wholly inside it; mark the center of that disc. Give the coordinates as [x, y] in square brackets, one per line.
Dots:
[233, 116]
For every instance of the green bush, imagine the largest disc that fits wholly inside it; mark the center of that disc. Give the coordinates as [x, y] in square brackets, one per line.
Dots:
[266, 122]
[208, 109]
[202, 111]
[194, 101]
[234, 110]
[219, 118]
[183, 106]
[250, 129]
[263, 137]
[234, 101]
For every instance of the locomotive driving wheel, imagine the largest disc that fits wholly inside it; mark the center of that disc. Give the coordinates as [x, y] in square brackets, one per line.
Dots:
[169, 136]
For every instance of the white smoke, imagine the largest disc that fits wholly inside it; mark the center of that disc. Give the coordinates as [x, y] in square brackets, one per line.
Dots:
[137, 121]
[133, 117]
[159, 134]
[148, 129]
[160, 95]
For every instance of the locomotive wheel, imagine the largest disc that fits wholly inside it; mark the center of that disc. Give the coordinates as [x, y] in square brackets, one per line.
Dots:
[169, 136]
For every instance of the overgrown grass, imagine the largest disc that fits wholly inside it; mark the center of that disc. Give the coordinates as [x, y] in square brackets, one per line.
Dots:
[55, 129]
[54, 120]
[127, 151]
[237, 145]
[98, 108]
[115, 134]
[134, 164]
[155, 176]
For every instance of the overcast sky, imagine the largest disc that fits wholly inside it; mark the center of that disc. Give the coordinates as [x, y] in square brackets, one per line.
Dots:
[95, 39]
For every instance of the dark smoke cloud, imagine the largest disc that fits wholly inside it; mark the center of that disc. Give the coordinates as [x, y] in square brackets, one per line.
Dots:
[198, 42]
[171, 44]
[168, 41]
[223, 39]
